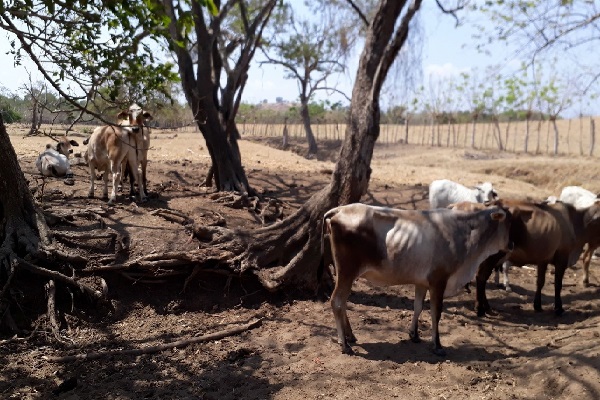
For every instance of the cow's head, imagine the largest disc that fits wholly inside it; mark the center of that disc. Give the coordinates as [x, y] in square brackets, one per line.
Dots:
[134, 118]
[64, 146]
[486, 192]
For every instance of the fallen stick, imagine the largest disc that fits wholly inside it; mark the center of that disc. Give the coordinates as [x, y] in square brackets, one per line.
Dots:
[160, 347]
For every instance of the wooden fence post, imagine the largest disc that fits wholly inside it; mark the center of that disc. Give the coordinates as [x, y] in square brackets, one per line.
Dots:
[592, 135]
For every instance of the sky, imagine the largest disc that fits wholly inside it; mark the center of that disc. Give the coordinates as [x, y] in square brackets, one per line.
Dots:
[447, 51]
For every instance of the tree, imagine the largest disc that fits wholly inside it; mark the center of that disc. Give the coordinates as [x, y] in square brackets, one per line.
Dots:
[538, 28]
[311, 52]
[96, 44]
[286, 254]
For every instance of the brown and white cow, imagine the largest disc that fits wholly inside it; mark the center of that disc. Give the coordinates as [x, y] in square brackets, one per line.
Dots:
[136, 119]
[108, 148]
[436, 250]
[543, 233]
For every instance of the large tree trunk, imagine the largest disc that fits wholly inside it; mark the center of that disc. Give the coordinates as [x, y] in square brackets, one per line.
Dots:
[310, 137]
[287, 253]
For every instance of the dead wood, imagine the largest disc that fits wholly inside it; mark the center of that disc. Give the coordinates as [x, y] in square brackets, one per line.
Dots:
[208, 255]
[173, 216]
[161, 347]
[95, 295]
[54, 324]
[85, 236]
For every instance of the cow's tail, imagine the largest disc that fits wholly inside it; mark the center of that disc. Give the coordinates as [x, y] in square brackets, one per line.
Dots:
[326, 254]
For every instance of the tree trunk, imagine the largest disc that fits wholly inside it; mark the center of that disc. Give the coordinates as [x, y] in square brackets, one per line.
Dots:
[473, 133]
[287, 253]
[555, 135]
[310, 137]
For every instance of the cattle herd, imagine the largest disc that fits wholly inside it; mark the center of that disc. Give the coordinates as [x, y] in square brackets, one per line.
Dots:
[116, 149]
[465, 235]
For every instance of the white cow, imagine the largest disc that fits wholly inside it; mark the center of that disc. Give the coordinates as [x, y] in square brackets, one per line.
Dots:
[582, 198]
[444, 192]
[55, 161]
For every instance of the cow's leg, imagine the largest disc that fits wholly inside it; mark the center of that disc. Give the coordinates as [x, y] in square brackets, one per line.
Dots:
[133, 166]
[497, 275]
[436, 298]
[144, 163]
[105, 179]
[420, 292]
[587, 258]
[541, 279]
[559, 273]
[92, 178]
[505, 268]
[483, 273]
[115, 169]
[339, 299]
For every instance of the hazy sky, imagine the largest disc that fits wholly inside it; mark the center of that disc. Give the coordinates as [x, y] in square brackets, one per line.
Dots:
[447, 51]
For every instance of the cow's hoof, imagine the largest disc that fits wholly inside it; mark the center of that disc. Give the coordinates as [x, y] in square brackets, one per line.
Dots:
[347, 350]
[586, 283]
[414, 337]
[481, 312]
[438, 351]
[351, 339]
[507, 288]
[90, 195]
[559, 311]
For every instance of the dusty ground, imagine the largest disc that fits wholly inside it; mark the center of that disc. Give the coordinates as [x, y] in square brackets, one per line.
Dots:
[515, 353]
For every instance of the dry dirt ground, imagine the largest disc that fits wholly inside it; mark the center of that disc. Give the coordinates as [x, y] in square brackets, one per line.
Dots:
[514, 353]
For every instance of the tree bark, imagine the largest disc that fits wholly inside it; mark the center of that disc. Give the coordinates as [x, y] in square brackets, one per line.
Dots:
[287, 253]
[310, 137]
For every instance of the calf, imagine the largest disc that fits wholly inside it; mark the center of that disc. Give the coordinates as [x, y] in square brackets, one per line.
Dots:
[137, 119]
[55, 161]
[543, 234]
[444, 192]
[582, 198]
[108, 148]
[437, 250]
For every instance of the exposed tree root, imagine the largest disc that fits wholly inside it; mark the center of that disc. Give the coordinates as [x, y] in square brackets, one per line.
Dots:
[173, 216]
[93, 294]
[54, 324]
[161, 347]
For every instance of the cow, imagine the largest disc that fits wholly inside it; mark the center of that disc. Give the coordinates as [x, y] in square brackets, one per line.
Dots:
[473, 206]
[55, 161]
[444, 192]
[436, 250]
[543, 233]
[108, 147]
[137, 120]
[582, 198]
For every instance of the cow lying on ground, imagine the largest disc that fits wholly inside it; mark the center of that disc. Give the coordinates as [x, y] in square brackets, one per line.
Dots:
[436, 250]
[582, 198]
[137, 120]
[444, 192]
[543, 234]
[55, 161]
[108, 148]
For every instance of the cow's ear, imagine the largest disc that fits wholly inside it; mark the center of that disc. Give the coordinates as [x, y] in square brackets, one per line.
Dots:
[498, 216]
[123, 115]
[147, 116]
[59, 146]
[73, 143]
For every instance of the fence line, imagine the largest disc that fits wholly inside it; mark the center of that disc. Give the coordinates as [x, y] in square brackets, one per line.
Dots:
[575, 136]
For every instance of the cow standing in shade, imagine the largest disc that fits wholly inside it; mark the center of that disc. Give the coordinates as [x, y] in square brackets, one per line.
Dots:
[436, 250]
